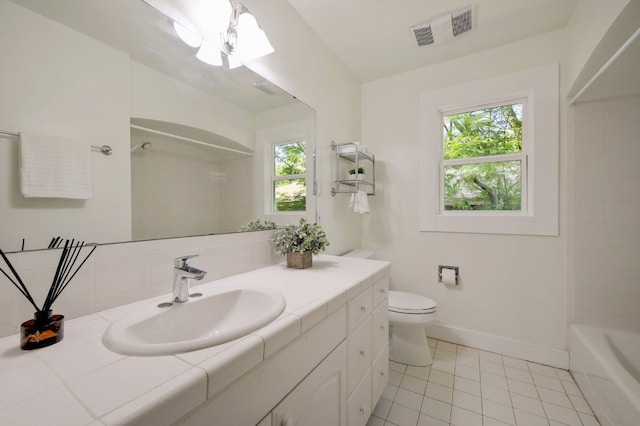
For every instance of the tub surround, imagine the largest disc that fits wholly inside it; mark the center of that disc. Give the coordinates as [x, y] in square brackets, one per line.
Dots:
[79, 381]
[605, 364]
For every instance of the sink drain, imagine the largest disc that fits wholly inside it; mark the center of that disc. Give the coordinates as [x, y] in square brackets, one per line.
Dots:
[165, 305]
[195, 295]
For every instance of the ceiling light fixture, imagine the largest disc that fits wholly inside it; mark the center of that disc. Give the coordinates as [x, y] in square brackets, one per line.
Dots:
[241, 38]
[244, 37]
[209, 54]
[188, 37]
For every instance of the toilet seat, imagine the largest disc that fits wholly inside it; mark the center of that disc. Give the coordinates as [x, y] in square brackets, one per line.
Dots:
[408, 303]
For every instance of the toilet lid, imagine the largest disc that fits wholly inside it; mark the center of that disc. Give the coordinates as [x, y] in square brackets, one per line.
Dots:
[409, 303]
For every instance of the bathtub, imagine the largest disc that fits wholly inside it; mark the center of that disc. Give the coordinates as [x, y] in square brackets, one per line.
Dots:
[606, 366]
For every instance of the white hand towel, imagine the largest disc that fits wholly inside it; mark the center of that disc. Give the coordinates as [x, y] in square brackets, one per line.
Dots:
[53, 167]
[363, 202]
[353, 202]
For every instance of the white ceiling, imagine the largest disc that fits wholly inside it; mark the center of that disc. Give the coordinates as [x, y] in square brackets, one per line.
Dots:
[372, 37]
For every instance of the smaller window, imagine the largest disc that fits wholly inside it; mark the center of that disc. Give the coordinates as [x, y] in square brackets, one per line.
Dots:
[483, 163]
[289, 181]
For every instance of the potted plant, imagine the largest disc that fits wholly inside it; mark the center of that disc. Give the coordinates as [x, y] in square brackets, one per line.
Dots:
[300, 242]
[356, 174]
[257, 225]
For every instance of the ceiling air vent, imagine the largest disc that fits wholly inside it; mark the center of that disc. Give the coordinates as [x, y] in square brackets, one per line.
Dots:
[423, 35]
[444, 27]
[462, 23]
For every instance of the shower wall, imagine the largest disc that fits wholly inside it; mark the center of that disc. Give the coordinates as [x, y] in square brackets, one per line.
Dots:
[180, 189]
[604, 253]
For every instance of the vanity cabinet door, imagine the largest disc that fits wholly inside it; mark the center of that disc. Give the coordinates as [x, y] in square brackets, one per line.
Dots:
[379, 374]
[320, 399]
[359, 404]
[380, 329]
[359, 355]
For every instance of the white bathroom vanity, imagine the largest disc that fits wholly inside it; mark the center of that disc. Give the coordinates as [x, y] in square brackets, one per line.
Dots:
[323, 361]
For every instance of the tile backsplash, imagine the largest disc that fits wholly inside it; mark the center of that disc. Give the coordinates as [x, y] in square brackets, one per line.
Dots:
[117, 274]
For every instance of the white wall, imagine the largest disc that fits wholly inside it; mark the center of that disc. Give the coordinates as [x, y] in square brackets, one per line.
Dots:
[173, 175]
[513, 287]
[183, 189]
[236, 180]
[159, 97]
[606, 201]
[49, 89]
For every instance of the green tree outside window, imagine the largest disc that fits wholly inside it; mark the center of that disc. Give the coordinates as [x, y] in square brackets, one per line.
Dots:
[289, 180]
[483, 161]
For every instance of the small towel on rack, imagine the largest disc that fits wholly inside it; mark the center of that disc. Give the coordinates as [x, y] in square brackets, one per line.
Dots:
[54, 167]
[360, 202]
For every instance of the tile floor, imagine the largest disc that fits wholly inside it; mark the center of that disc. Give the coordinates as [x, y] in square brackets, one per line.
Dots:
[469, 387]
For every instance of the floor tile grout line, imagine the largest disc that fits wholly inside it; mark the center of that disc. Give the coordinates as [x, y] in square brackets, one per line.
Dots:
[509, 387]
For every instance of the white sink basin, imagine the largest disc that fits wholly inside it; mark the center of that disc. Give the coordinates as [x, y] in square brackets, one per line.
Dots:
[199, 323]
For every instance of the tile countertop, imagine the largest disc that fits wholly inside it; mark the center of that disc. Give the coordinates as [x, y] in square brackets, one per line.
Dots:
[78, 381]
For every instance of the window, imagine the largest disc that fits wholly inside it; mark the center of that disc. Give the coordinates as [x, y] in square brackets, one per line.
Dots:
[489, 155]
[483, 163]
[289, 182]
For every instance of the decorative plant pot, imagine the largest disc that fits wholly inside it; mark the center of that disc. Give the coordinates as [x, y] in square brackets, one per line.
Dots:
[44, 330]
[299, 260]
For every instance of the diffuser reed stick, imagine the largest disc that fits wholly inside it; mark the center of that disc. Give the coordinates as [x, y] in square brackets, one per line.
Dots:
[65, 272]
[20, 285]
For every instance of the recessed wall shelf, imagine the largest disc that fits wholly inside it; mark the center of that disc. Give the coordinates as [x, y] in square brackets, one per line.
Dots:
[350, 158]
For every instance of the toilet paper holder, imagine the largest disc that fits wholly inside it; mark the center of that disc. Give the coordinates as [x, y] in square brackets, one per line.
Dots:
[455, 269]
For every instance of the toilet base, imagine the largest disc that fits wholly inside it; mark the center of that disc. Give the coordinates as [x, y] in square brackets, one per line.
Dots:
[408, 345]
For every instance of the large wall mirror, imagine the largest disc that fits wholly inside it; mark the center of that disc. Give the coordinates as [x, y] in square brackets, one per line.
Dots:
[188, 158]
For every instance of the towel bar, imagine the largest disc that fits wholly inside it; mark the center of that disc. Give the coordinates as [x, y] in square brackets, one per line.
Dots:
[105, 149]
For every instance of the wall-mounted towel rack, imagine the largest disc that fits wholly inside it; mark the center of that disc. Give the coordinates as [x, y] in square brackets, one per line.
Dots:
[354, 181]
[105, 149]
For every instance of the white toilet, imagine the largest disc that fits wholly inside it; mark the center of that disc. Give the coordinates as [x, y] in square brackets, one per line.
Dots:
[409, 315]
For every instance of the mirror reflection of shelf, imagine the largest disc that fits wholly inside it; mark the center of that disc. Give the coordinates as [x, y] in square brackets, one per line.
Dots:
[352, 182]
[353, 152]
[351, 156]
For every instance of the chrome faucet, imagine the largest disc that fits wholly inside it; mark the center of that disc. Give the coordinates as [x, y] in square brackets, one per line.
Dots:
[182, 272]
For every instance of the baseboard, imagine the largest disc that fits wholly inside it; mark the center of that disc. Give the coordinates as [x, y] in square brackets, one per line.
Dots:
[502, 345]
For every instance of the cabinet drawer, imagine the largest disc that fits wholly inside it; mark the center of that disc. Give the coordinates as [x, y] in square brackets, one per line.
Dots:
[358, 309]
[359, 403]
[380, 291]
[359, 355]
[380, 327]
[379, 374]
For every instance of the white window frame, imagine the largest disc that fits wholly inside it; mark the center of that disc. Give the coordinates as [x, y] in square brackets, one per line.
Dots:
[266, 135]
[538, 89]
[275, 178]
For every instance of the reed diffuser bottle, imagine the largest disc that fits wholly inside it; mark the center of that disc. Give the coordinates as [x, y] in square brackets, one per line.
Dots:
[47, 328]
